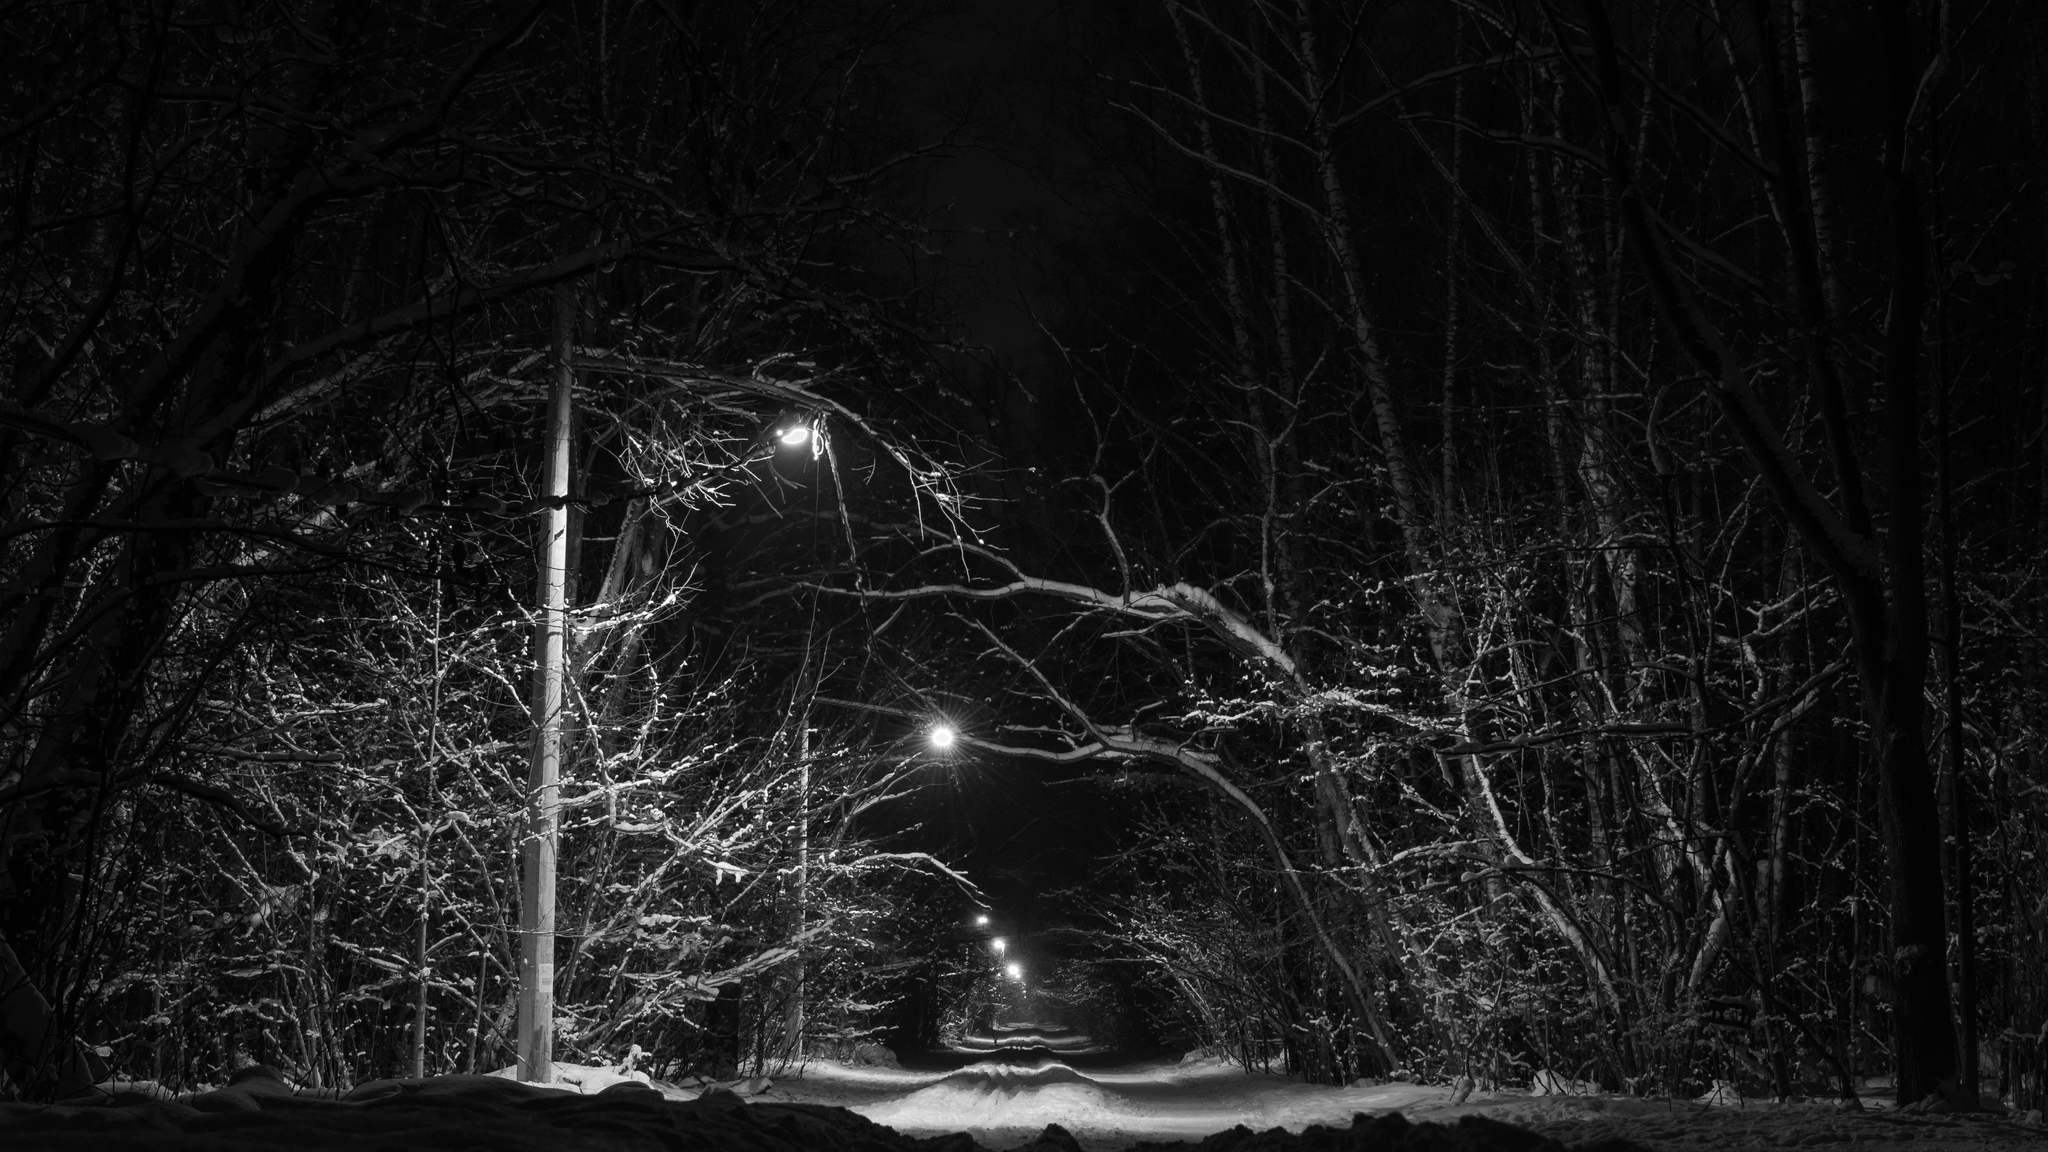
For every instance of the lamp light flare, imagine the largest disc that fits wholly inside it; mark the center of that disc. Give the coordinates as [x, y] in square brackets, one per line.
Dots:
[796, 435]
[941, 736]
[1016, 971]
[982, 920]
[999, 944]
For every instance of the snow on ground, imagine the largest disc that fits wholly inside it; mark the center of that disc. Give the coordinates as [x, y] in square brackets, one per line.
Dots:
[1683, 1126]
[586, 1079]
[1006, 1104]
[1002, 1090]
[1061, 1041]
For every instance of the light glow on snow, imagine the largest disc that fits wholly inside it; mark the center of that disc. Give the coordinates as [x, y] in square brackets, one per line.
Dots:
[1007, 1097]
[1002, 1103]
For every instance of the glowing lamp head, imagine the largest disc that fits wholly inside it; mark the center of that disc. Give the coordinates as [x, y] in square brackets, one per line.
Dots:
[1016, 971]
[982, 920]
[796, 435]
[999, 944]
[941, 737]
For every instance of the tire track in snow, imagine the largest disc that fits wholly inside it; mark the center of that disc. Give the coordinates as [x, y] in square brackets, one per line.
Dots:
[992, 1095]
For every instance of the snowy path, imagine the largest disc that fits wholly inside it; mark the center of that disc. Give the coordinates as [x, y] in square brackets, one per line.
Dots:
[999, 1102]
[1003, 1093]
[1004, 1090]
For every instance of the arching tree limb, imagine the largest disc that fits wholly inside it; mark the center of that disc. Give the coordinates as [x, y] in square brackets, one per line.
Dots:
[1206, 768]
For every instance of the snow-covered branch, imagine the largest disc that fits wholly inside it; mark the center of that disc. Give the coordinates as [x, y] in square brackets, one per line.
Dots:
[1179, 602]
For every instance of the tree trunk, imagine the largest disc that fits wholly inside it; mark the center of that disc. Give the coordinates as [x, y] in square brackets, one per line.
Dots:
[1924, 1023]
[1883, 589]
[40, 1058]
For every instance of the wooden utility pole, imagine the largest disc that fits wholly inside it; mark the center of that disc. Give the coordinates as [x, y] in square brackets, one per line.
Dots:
[537, 852]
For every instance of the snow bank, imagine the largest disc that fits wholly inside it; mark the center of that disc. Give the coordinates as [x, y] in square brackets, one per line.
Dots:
[1695, 1126]
[586, 1079]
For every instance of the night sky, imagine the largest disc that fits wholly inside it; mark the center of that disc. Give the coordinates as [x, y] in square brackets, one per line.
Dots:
[1014, 204]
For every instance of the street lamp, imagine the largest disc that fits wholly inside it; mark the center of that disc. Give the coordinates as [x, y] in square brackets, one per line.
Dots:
[981, 921]
[796, 435]
[941, 737]
[999, 944]
[1016, 971]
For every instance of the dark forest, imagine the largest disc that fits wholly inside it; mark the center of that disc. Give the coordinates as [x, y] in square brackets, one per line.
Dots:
[1466, 540]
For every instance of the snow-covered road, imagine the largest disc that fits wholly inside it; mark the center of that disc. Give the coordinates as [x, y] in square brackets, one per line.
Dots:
[1004, 1089]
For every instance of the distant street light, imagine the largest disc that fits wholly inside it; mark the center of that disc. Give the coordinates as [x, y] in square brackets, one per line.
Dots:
[981, 921]
[1016, 971]
[796, 435]
[941, 737]
[999, 944]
